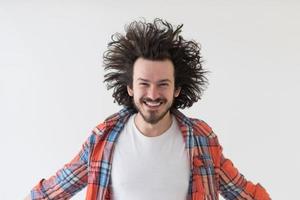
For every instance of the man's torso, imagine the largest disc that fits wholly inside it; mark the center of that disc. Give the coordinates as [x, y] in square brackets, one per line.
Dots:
[150, 167]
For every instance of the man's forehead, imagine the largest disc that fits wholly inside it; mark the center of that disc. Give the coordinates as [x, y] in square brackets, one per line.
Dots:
[153, 70]
[147, 63]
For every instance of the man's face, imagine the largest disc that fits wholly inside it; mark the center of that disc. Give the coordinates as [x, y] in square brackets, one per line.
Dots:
[153, 88]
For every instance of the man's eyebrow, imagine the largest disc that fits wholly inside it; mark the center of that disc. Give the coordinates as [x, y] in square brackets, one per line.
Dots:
[164, 80]
[141, 79]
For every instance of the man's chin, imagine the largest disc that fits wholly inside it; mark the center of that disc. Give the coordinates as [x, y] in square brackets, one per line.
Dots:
[152, 121]
[153, 117]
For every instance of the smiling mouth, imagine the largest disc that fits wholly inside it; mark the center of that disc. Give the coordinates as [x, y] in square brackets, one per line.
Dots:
[152, 104]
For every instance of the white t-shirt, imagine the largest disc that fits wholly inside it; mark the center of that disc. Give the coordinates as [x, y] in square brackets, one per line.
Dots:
[150, 168]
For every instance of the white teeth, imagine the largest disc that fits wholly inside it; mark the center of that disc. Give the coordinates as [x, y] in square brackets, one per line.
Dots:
[152, 104]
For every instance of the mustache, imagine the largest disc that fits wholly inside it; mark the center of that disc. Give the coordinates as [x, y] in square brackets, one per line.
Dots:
[153, 101]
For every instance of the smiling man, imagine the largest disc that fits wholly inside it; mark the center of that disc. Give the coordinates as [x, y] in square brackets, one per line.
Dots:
[153, 91]
[150, 150]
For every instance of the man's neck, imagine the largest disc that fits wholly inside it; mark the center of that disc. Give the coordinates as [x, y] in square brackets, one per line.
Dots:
[153, 130]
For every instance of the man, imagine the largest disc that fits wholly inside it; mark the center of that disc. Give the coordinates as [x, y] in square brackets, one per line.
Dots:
[149, 149]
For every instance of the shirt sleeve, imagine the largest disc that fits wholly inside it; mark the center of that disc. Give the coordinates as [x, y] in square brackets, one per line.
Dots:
[233, 185]
[67, 181]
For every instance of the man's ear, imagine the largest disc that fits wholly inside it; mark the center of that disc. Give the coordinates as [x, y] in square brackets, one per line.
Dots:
[130, 91]
[177, 92]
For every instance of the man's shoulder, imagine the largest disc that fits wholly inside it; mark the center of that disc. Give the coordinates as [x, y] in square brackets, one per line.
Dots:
[111, 121]
[105, 125]
[201, 128]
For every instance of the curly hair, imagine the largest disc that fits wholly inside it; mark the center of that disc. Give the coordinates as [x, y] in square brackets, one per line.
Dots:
[154, 41]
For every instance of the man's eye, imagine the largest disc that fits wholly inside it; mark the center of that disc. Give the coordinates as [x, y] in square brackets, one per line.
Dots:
[163, 84]
[143, 84]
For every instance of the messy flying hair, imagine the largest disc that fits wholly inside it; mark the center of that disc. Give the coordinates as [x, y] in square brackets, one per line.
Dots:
[154, 41]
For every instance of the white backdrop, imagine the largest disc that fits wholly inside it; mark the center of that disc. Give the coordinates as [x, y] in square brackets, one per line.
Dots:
[52, 95]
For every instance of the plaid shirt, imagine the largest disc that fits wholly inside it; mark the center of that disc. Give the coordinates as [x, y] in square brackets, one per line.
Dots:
[210, 172]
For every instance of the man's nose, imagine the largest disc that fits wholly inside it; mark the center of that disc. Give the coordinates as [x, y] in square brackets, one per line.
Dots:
[153, 93]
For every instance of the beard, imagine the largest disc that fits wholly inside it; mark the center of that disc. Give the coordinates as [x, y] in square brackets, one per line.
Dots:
[153, 116]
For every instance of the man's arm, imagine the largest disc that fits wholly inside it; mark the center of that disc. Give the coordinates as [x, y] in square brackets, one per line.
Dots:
[68, 180]
[233, 185]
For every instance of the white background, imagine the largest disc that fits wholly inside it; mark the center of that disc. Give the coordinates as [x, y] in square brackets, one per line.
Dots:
[52, 95]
